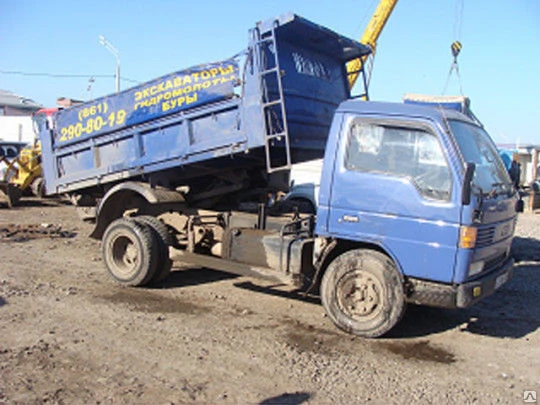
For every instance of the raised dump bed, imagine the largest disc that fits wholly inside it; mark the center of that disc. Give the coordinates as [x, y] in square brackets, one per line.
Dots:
[216, 128]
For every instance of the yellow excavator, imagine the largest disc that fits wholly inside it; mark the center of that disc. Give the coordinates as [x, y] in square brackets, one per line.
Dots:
[20, 174]
[370, 37]
[23, 172]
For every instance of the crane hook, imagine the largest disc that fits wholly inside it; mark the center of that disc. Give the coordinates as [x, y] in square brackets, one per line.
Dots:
[456, 49]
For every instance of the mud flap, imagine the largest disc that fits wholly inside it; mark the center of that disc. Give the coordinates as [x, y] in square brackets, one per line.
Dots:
[9, 194]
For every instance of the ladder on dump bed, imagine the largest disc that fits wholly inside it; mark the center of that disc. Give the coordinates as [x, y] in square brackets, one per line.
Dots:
[277, 148]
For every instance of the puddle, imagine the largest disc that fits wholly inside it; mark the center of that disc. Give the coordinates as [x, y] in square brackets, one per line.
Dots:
[420, 351]
[304, 342]
[307, 338]
[146, 301]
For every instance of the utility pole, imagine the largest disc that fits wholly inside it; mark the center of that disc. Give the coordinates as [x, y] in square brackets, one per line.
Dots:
[114, 51]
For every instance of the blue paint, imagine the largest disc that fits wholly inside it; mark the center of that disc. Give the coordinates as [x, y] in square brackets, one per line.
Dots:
[420, 232]
[139, 131]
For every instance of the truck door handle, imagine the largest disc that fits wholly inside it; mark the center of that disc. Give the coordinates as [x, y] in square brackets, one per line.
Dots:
[349, 218]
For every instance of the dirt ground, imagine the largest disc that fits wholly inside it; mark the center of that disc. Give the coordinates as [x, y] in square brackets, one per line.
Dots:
[69, 335]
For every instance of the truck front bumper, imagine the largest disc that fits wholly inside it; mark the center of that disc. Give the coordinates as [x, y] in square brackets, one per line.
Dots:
[435, 294]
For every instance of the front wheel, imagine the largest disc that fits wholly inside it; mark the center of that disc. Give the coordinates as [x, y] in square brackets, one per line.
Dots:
[362, 293]
[129, 251]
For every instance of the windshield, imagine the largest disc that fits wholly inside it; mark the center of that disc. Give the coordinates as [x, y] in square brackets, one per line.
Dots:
[477, 147]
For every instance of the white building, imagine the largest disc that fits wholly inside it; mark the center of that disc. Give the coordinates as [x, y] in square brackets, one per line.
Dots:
[15, 117]
[528, 158]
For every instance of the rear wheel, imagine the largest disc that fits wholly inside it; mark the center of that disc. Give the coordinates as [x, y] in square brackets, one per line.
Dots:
[164, 263]
[362, 293]
[130, 251]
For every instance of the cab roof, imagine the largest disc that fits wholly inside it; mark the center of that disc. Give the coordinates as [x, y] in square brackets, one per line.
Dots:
[413, 111]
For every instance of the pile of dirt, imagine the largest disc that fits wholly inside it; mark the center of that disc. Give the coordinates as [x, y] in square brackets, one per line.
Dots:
[23, 233]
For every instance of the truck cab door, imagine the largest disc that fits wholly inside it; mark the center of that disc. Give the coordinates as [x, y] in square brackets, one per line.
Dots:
[392, 186]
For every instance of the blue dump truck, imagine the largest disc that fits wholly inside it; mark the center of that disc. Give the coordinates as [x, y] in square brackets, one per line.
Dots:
[414, 205]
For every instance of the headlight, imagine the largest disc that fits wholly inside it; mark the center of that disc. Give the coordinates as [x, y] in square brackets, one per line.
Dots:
[476, 268]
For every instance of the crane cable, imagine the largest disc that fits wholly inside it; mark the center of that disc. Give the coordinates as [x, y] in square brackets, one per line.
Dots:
[456, 46]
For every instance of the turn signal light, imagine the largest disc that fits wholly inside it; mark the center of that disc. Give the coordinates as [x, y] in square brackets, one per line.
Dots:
[467, 237]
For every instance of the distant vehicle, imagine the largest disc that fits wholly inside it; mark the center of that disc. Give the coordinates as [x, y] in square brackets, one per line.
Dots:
[11, 149]
[304, 183]
[20, 163]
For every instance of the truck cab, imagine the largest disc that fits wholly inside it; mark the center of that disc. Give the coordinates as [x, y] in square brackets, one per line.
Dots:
[423, 187]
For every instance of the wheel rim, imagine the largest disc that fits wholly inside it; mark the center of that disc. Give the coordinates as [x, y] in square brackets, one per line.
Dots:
[360, 295]
[125, 256]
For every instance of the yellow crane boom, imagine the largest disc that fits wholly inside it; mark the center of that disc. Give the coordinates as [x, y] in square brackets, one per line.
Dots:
[370, 36]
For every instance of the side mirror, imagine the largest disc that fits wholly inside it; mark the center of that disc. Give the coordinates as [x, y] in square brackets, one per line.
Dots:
[467, 181]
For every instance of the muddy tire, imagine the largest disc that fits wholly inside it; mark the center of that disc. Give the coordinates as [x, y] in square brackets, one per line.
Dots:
[362, 293]
[164, 263]
[130, 252]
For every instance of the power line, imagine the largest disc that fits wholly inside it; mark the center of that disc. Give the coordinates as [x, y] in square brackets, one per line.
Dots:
[62, 76]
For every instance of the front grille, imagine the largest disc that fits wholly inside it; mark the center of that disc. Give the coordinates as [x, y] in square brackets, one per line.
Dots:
[485, 236]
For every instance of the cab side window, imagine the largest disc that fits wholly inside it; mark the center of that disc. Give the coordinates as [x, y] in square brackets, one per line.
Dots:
[400, 151]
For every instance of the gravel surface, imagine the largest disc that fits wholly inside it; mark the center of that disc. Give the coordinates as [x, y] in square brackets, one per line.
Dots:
[69, 335]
